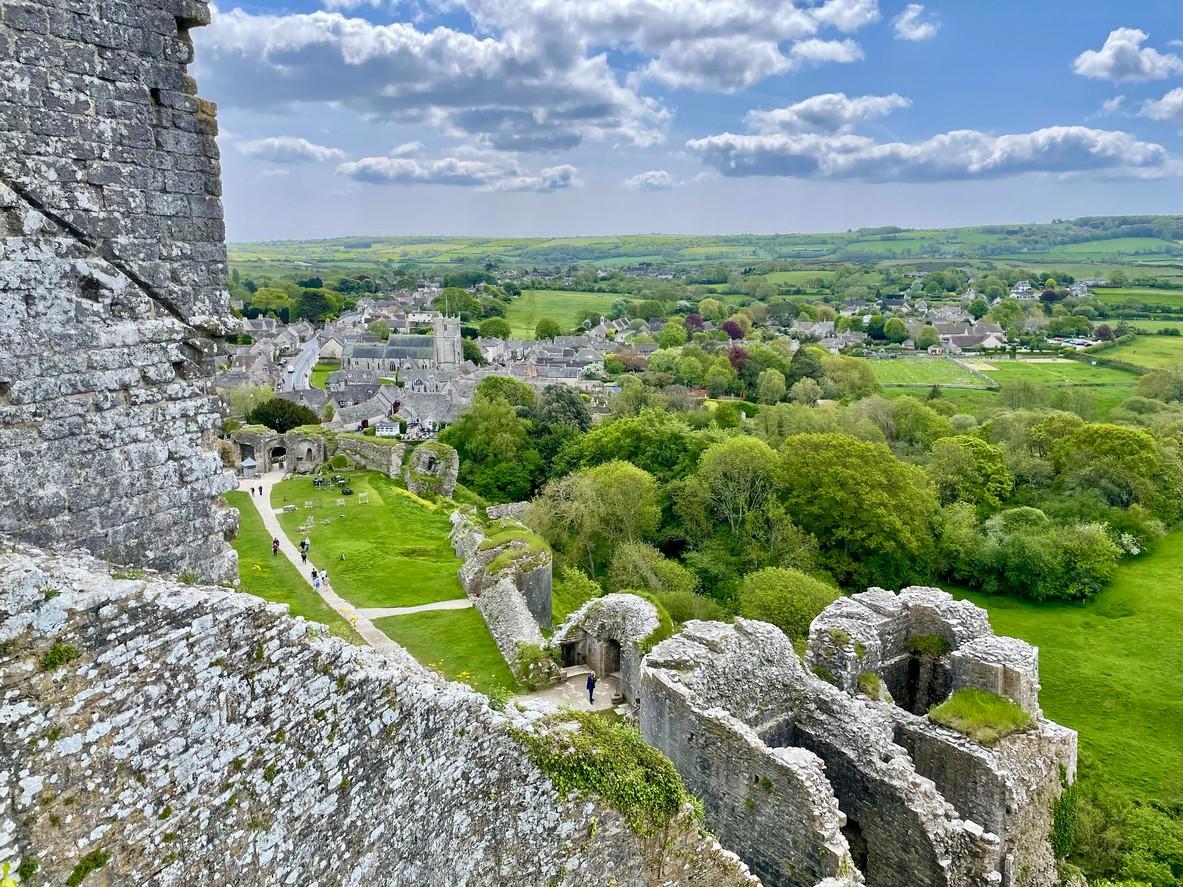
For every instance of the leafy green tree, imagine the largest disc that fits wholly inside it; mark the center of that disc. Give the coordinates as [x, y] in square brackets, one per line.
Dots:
[455, 302]
[313, 305]
[741, 474]
[1165, 384]
[720, 379]
[979, 307]
[512, 391]
[656, 440]
[547, 328]
[872, 512]
[379, 328]
[806, 392]
[469, 350]
[894, 330]
[788, 599]
[563, 405]
[928, 338]
[495, 328]
[642, 567]
[282, 415]
[498, 458]
[244, 397]
[967, 469]
[770, 386]
[672, 335]
[588, 513]
[806, 364]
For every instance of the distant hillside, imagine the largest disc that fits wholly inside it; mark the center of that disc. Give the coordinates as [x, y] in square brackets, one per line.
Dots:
[1114, 239]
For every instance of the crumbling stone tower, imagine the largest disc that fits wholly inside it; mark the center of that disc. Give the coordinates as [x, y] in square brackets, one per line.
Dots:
[112, 285]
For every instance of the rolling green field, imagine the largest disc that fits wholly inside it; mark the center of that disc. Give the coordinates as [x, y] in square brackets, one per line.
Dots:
[532, 305]
[1111, 668]
[274, 578]
[798, 277]
[455, 643]
[1149, 351]
[1121, 295]
[1154, 326]
[923, 371]
[391, 552]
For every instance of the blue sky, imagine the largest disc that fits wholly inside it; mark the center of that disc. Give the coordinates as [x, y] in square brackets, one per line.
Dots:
[566, 117]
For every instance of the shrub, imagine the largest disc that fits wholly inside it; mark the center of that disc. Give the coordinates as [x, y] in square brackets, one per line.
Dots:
[789, 599]
[686, 605]
[983, 716]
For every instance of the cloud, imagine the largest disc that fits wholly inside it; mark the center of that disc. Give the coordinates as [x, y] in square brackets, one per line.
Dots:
[909, 24]
[287, 149]
[1123, 59]
[1169, 107]
[847, 15]
[818, 51]
[830, 112]
[509, 93]
[710, 45]
[952, 156]
[1113, 105]
[653, 180]
[486, 172]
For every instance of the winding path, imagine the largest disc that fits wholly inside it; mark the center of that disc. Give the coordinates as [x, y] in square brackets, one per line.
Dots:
[360, 619]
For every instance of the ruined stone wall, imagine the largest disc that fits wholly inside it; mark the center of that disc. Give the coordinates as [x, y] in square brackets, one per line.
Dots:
[186, 735]
[112, 285]
[623, 620]
[386, 458]
[776, 810]
[510, 586]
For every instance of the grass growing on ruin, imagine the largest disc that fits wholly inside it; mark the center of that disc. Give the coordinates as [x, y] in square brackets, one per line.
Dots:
[274, 578]
[457, 644]
[583, 752]
[982, 716]
[390, 552]
[1111, 669]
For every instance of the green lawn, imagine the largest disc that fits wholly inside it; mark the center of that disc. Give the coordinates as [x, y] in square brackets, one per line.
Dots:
[455, 643]
[321, 372]
[1121, 295]
[1055, 372]
[391, 552]
[274, 578]
[1149, 351]
[1153, 326]
[1112, 669]
[977, 402]
[924, 371]
[532, 305]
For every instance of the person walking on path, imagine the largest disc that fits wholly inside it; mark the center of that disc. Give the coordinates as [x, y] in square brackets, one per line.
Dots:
[275, 548]
[303, 555]
[591, 688]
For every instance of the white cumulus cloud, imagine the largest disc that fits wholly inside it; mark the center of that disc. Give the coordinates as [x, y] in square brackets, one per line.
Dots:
[816, 51]
[486, 171]
[958, 155]
[829, 112]
[1123, 58]
[911, 24]
[510, 93]
[1169, 107]
[288, 149]
[652, 180]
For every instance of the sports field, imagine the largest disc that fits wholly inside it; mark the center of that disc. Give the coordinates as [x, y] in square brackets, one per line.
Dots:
[1052, 371]
[925, 371]
[559, 305]
[1110, 669]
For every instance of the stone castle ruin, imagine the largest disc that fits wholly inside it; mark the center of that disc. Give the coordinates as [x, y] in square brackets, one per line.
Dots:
[807, 780]
[157, 729]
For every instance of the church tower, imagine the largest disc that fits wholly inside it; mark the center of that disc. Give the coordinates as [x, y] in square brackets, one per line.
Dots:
[446, 336]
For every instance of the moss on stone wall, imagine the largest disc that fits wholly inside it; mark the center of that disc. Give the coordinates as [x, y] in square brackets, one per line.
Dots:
[586, 752]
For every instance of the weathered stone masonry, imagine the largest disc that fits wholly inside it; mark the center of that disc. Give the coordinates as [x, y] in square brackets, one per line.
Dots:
[112, 285]
[197, 735]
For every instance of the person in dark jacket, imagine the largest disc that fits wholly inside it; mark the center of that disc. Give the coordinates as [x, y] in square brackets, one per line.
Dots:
[591, 688]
